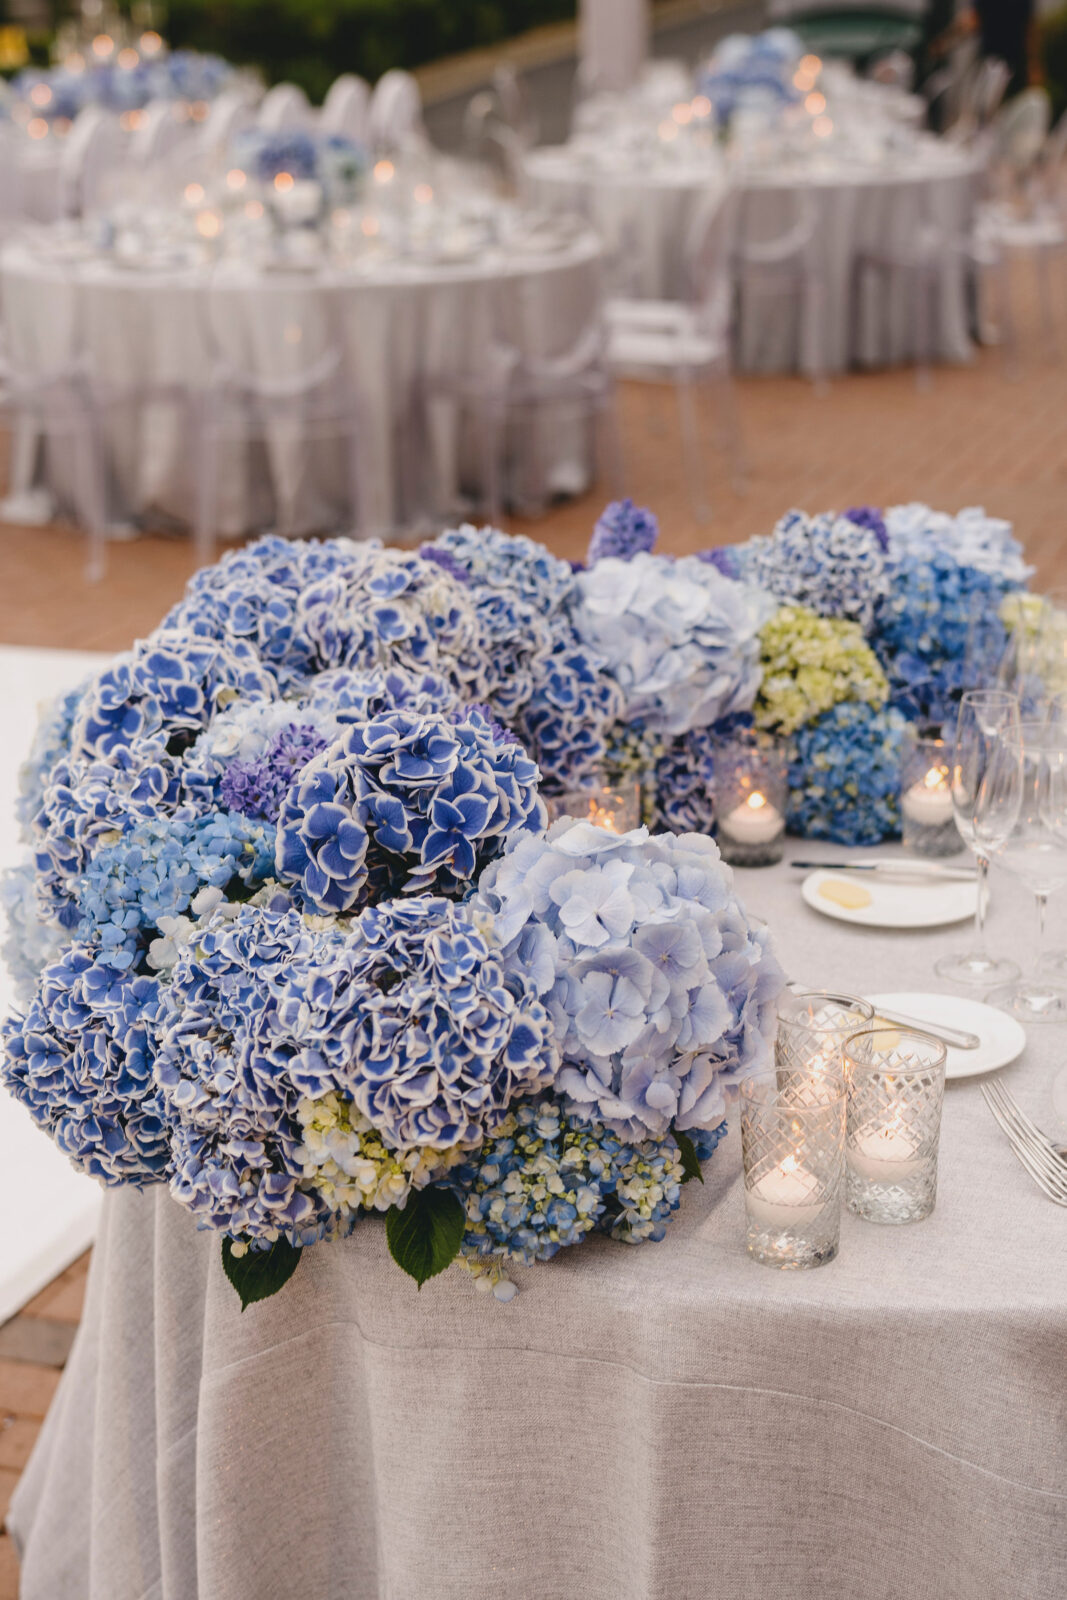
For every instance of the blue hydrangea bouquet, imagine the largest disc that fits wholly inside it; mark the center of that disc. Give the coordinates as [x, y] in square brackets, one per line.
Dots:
[297, 941]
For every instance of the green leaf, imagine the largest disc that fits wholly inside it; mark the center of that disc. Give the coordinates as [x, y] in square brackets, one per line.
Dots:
[259, 1273]
[427, 1234]
[688, 1152]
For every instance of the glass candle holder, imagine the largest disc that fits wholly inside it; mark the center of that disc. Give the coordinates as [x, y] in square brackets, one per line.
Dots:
[751, 779]
[895, 1087]
[813, 1026]
[614, 806]
[927, 822]
[792, 1146]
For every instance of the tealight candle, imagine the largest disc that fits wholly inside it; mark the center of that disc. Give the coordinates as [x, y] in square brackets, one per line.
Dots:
[884, 1155]
[927, 817]
[929, 802]
[750, 797]
[787, 1197]
[755, 821]
[298, 203]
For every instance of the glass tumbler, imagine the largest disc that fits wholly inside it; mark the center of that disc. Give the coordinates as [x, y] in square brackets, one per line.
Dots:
[813, 1025]
[792, 1146]
[895, 1088]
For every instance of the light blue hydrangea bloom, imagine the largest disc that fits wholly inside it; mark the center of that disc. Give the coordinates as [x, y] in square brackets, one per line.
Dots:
[680, 638]
[661, 991]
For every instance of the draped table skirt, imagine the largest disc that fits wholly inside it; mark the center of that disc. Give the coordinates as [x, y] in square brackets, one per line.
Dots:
[665, 1422]
[646, 217]
[154, 339]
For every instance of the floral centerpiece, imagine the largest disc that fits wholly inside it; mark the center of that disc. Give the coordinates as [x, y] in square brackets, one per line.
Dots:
[305, 950]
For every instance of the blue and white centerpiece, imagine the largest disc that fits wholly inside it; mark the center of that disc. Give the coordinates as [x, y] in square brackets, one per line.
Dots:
[305, 949]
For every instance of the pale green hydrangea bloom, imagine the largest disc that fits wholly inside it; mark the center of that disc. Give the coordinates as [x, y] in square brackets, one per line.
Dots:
[811, 664]
[344, 1159]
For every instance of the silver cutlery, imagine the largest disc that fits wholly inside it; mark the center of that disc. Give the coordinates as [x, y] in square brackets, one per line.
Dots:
[1045, 1162]
[956, 1037]
[894, 869]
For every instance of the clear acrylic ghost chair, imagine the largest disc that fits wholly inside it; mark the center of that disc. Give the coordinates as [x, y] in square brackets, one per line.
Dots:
[281, 382]
[516, 107]
[511, 385]
[94, 148]
[688, 342]
[395, 111]
[283, 107]
[230, 114]
[787, 263]
[489, 142]
[51, 405]
[346, 108]
[159, 134]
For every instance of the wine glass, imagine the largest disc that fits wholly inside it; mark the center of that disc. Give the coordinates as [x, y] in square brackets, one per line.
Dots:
[1034, 664]
[1035, 850]
[986, 782]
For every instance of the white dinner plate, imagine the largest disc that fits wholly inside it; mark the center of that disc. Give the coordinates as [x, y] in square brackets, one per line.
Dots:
[915, 904]
[1003, 1038]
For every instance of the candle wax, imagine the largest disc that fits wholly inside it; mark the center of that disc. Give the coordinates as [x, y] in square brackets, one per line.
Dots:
[929, 801]
[884, 1155]
[754, 821]
[783, 1198]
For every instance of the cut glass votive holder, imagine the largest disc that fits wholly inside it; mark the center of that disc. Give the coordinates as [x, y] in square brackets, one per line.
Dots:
[813, 1026]
[792, 1146]
[614, 806]
[927, 821]
[895, 1090]
[751, 793]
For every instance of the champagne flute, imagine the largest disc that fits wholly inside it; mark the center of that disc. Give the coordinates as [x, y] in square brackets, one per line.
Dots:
[986, 782]
[1035, 850]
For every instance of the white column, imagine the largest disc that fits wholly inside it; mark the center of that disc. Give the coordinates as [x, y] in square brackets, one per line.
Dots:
[613, 43]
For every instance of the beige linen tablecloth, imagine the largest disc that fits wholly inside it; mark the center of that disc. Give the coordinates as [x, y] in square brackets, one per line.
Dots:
[669, 1422]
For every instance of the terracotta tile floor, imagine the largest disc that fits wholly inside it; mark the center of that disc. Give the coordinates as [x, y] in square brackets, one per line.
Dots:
[33, 1349]
[973, 437]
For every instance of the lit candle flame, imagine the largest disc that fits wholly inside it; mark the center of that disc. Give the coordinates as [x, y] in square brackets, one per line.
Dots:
[755, 801]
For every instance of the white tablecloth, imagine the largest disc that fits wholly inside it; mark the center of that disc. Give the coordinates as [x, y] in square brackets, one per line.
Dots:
[402, 326]
[663, 1422]
[644, 215]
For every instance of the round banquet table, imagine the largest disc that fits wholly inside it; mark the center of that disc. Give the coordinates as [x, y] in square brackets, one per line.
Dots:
[644, 213]
[152, 335]
[666, 1422]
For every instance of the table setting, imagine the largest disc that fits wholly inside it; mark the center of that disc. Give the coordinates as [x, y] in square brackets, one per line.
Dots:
[836, 163]
[411, 265]
[396, 915]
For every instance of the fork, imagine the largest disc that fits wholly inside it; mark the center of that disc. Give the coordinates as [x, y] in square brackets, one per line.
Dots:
[1044, 1161]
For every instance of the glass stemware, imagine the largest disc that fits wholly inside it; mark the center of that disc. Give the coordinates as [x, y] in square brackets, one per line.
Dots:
[1036, 851]
[986, 780]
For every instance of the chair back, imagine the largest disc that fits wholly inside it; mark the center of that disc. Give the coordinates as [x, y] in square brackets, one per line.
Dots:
[346, 108]
[1021, 128]
[710, 247]
[395, 111]
[280, 348]
[95, 147]
[158, 135]
[516, 110]
[229, 115]
[788, 246]
[990, 89]
[283, 107]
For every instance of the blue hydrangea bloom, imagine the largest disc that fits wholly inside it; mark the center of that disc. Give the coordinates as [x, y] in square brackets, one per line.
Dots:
[938, 632]
[830, 564]
[404, 803]
[547, 1180]
[81, 1062]
[154, 872]
[844, 784]
[662, 993]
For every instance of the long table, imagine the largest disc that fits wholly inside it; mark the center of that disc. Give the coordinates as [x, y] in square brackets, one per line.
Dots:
[669, 1422]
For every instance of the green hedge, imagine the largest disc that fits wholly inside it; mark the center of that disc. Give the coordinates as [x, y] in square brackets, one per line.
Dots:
[310, 41]
[1054, 53]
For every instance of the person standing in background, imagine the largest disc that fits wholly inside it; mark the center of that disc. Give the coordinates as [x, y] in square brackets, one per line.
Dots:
[1008, 29]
